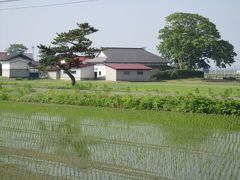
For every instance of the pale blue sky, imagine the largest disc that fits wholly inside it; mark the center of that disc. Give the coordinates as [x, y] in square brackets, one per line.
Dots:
[124, 23]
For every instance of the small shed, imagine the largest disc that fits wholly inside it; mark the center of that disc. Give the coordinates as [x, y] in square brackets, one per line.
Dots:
[127, 72]
[84, 72]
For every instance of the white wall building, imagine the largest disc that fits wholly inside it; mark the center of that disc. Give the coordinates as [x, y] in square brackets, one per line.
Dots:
[18, 65]
[85, 72]
[127, 72]
[116, 55]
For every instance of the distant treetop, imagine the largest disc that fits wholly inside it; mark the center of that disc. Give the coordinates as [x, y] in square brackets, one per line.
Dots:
[16, 48]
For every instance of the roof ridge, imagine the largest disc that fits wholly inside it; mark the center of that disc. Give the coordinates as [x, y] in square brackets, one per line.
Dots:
[16, 54]
[123, 47]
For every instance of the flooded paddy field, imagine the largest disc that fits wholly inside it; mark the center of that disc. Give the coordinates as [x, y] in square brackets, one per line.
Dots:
[69, 142]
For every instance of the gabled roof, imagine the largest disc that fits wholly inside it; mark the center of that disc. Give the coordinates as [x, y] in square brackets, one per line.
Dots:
[128, 66]
[128, 55]
[15, 55]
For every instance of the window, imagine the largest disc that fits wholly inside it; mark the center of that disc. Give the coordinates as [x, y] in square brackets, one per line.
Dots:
[126, 72]
[140, 73]
[100, 73]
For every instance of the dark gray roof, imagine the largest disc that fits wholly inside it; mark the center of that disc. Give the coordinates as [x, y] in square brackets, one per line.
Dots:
[29, 55]
[128, 55]
[15, 55]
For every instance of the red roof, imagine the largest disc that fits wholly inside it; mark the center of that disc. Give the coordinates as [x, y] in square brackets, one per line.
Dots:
[128, 66]
[3, 55]
[83, 58]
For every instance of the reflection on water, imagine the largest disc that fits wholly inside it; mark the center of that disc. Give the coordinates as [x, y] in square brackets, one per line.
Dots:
[57, 147]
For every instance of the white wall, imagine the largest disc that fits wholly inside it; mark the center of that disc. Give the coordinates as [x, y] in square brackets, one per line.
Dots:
[5, 65]
[111, 74]
[5, 73]
[101, 71]
[101, 55]
[77, 74]
[53, 74]
[80, 74]
[133, 75]
[5, 69]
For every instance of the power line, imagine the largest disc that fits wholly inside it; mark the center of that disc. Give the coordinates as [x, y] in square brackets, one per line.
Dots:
[6, 1]
[46, 5]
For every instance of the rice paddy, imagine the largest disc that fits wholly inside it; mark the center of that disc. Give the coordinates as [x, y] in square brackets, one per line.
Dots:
[68, 142]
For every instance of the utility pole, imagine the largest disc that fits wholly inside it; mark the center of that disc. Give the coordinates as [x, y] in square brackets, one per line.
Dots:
[33, 51]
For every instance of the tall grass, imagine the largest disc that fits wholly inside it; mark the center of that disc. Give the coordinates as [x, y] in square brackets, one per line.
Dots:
[173, 87]
[189, 103]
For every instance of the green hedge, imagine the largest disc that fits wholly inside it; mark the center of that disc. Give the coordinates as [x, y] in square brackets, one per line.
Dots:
[189, 103]
[176, 74]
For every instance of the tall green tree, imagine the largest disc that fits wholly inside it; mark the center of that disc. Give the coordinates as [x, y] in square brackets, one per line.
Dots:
[66, 47]
[190, 41]
[16, 48]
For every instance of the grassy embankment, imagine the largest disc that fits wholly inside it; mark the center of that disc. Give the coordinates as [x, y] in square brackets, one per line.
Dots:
[170, 87]
[223, 100]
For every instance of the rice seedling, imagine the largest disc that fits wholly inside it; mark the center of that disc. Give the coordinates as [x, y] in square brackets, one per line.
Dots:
[69, 142]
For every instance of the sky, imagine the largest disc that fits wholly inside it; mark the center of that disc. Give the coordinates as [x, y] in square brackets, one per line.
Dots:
[121, 23]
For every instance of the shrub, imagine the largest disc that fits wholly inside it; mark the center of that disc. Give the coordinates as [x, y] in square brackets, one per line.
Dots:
[189, 103]
[176, 74]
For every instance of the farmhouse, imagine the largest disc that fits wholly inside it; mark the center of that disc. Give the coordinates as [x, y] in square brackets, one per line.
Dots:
[127, 72]
[18, 65]
[116, 55]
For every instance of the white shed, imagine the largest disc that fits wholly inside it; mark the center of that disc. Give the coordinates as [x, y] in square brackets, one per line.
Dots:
[84, 72]
[127, 72]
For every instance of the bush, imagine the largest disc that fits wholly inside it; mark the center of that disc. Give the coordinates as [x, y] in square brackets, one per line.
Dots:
[176, 74]
[189, 103]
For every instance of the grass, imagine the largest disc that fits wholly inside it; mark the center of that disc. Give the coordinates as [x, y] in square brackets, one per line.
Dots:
[170, 87]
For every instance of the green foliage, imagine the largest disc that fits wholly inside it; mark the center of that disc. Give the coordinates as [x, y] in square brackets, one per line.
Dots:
[197, 91]
[106, 88]
[176, 74]
[191, 40]
[27, 88]
[83, 86]
[189, 103]
[16, 48]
